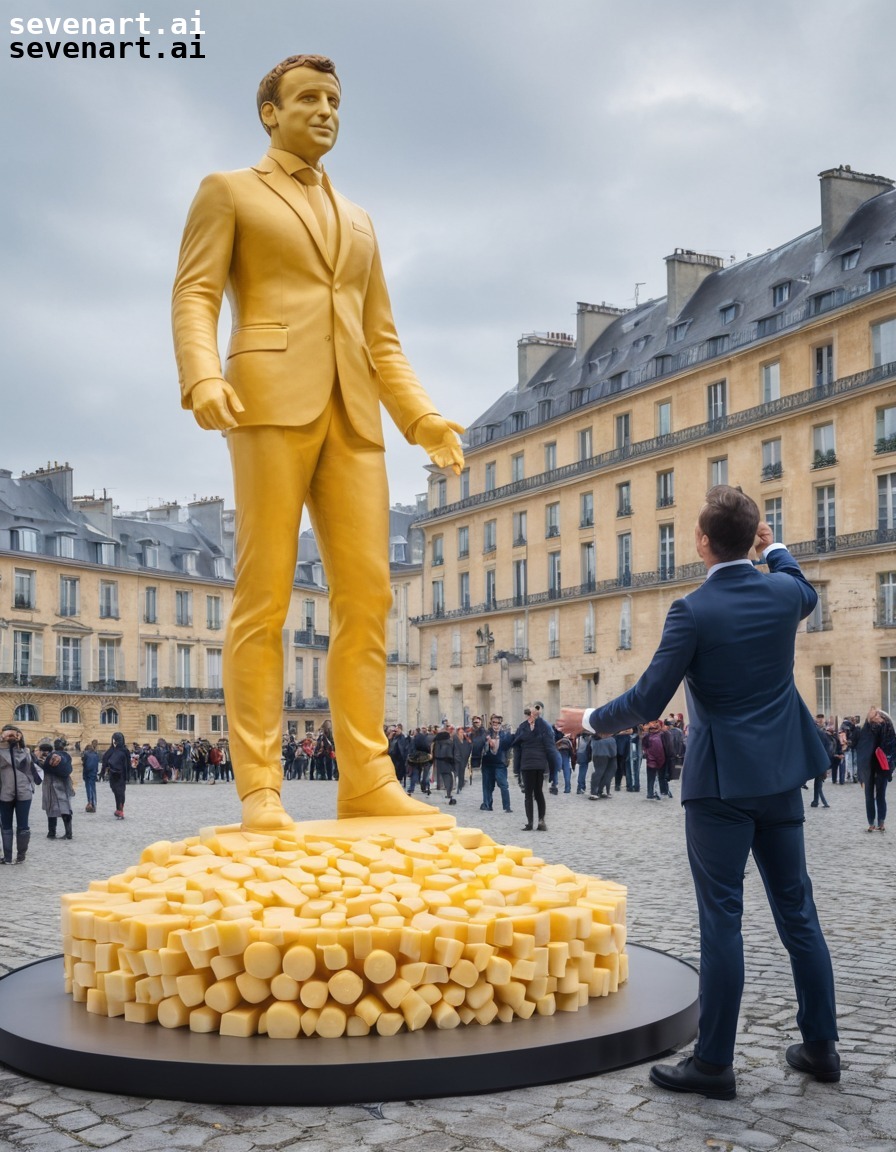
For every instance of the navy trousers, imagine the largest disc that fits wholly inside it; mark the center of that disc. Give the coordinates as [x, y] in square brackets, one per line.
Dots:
[720, 836]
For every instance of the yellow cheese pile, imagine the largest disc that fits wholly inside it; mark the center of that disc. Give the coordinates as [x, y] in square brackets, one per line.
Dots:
[292, 935]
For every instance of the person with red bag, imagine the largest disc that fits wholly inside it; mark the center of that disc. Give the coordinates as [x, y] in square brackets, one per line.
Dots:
[875, 755]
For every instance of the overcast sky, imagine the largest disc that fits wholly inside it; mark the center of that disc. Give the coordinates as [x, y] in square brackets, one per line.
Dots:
[516, 156]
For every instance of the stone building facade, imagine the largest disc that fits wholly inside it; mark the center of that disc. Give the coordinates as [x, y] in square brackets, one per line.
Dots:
[551, 562]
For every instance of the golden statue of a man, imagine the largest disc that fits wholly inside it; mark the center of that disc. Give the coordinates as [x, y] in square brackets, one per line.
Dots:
[313, 353]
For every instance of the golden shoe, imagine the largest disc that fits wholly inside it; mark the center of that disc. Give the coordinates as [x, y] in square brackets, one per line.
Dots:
[390, 799]
[264, 812]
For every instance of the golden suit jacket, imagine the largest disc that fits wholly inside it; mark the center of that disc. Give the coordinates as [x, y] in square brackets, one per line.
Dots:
[300, 320]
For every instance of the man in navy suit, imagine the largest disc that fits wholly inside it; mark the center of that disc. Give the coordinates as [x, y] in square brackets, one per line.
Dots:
[732, 642]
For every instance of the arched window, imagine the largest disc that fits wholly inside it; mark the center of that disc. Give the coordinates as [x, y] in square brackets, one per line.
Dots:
[69, 716]
[109, 716]
[25, 713]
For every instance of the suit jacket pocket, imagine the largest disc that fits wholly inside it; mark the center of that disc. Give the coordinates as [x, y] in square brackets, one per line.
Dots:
[259, 338]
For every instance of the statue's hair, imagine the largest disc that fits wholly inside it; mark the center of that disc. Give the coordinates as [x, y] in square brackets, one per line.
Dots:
[269, 88]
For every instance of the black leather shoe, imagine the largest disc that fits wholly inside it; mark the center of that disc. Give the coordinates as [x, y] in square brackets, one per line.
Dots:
[527, 828]
[820, 1060]
[686, 1077]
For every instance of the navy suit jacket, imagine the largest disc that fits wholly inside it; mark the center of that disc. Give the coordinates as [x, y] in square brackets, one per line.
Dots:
[732, 642]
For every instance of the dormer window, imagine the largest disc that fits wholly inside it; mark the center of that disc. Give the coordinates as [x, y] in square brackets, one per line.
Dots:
[850, 260]
[188, 562]
[679, 331]
[881, 277]
[150, 555]
[780, 293]
[23, 539]
[727, 313]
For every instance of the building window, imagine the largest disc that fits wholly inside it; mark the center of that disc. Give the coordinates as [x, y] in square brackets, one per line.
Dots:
[26, 714]
[151, 667]
[717, 401]
[780, 294]
[150, 606]
[213, 612]
[183, 608]
[883, 343]
[886, 502]
[662, 364]
[718, 471]
[463, 589]
[553, 573]
[587, 564]
[69, 716]
[23, 588]
[23, 539]
[550, 457]
[434, 653]
[309, 614]
[213, 666]
[105, 554]
[623, 430]
[152, 722]
[520, 639]
[463, 543]
[881, 277]
[824, 450]
[577, 397]
[68, 663]
[456, 649]
[588, 638]
[21, 654]
[545, 410]
[108, 599]
[438, 552]
[490, 471]
[624, 498]
[624, 558]
[823, 302]
[65, 547]
[438, 597]
[69, 595]
[440, 492]
[772, 466]
[150, 555]
[824, 365]
[625, 623]
[771, 382]
[315, 677]
[107, 664]
[586, 510]
[823, 693]
[490, 536]
[850, 260]
[490, 593]
[519, 581]
[185, 722]
[519, 528]
[519, 421]
[552, 519]
[664, 418]
[679, 331]
[465, 484]
[667, 552]
[300, 676]
[665, 489]
[717, 345]
[886, 600]
[517, 467]
[885, 430]
[825, 514]
[184, 666]
[727, 313]
[774, 517]
[586, 444]
[553, 636]
[888, 683]
[109, 717]
[819, 619]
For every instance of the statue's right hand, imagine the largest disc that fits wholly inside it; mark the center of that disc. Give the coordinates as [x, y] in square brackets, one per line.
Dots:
[215, 404]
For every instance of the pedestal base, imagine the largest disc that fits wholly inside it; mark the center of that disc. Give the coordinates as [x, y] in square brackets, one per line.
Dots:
[44, 1034]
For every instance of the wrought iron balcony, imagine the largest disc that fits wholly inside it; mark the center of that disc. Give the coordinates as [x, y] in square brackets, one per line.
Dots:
[297, 703]
[824, 459]
[772, 471]
[885, 444]
[167, 692]
[310, 638]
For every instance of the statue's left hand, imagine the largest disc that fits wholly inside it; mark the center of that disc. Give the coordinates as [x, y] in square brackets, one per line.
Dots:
[439, 438]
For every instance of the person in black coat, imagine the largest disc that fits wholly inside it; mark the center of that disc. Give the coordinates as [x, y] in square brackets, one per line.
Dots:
[533, 755]
[117, 765]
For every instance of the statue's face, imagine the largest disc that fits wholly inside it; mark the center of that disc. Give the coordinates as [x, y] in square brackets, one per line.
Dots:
[307, 121]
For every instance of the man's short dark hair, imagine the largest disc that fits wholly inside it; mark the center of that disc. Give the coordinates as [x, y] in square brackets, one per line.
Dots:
[269, 88]
[730, 519]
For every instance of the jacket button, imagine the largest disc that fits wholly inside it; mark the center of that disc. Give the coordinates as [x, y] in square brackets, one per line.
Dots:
[328, 338]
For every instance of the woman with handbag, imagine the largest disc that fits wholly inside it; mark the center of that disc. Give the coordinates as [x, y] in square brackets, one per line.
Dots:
[17, 779]
[875, 755]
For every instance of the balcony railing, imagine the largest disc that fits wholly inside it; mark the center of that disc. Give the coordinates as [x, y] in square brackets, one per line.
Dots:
[310, 638]
[660, 444]
[885, 444]
[772, 471]
[824, 459]
[624, 510]
[682, 573]
[665, 501]
[116, 687]
[166, 692]
[297, 703]
[552, 530]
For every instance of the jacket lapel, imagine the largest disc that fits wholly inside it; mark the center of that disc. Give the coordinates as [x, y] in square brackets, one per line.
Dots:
[270, 172]
[344, 224]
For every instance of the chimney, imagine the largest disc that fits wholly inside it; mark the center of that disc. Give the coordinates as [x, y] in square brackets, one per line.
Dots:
[164, 513]
[534, 349]
[97, 510]
[842, 193]
[592, 320]
[685, 272]
[208, 516]
[58, 478]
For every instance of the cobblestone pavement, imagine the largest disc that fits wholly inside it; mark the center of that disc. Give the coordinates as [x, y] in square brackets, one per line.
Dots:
[628, 839]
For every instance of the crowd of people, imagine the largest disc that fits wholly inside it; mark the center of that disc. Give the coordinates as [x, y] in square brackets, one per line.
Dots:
[439, 757]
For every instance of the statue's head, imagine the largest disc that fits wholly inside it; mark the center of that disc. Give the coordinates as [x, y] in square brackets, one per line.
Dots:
[297, 104]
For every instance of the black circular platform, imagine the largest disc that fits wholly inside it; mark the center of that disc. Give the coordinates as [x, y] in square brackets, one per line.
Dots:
[44, 1033]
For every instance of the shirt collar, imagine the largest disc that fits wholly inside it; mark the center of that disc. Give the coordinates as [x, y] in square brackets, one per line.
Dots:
[289, 162]
[728, 564]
